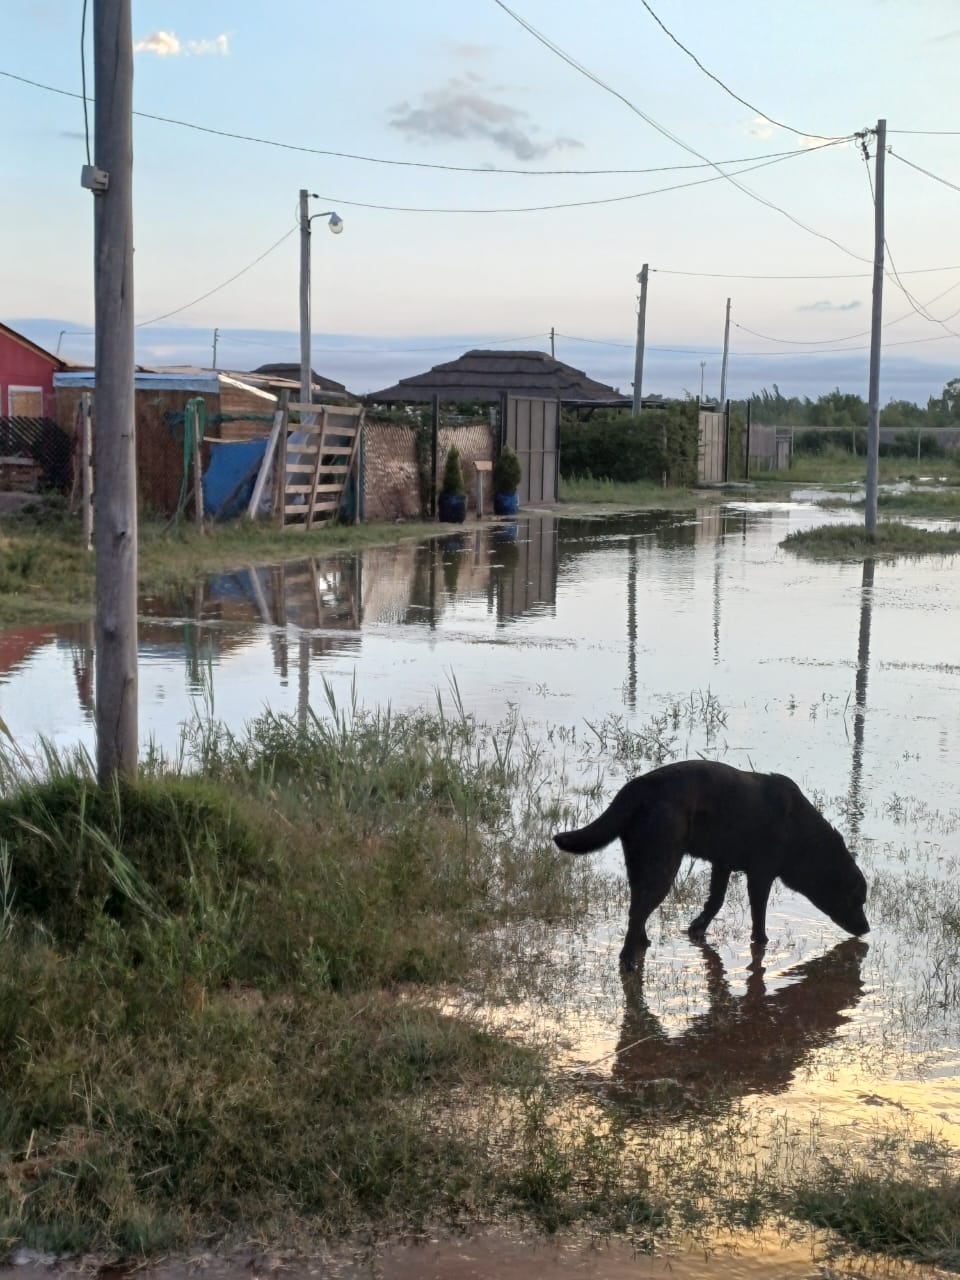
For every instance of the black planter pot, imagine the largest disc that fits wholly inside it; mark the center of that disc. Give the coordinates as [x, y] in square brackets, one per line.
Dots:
[452, 508]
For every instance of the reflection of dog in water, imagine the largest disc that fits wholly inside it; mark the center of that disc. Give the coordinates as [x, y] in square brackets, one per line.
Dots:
[760, 823]
[752, 1043]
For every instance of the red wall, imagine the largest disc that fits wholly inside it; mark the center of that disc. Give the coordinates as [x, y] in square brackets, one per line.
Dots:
[21, 366]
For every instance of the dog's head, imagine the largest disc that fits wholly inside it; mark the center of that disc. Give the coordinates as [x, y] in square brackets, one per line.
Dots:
[833, 882]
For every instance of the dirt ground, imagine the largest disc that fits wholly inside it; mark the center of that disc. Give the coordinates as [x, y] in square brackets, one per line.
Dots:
[495, 1253]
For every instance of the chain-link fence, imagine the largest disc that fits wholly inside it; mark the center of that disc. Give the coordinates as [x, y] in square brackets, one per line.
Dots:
[43, 442]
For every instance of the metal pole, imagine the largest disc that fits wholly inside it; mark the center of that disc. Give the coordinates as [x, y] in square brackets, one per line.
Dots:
[306, 373]
[553, 353]
[434, 450]
[216, 335]
[86, 473]
[641, 328]
[873, 419]
[726, 352]
[746, 455]
[115, 470]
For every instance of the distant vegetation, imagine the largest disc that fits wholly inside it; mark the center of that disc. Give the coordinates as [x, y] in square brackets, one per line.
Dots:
[839, 411]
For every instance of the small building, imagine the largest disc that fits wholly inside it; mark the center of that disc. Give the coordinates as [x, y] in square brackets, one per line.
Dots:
[26, 376]
[324, 389]
[236, 411]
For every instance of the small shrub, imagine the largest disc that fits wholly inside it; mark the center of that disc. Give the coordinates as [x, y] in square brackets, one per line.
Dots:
[453, 482]
[507, 472]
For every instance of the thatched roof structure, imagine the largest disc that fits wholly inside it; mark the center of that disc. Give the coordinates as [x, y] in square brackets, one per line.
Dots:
[286, 372]
[486, 375]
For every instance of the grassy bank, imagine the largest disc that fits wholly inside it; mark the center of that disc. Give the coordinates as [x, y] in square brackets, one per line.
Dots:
[209, 1020]
[46, 574]
[837, 466]
[639, 493]
[891, 539]
[934, 504]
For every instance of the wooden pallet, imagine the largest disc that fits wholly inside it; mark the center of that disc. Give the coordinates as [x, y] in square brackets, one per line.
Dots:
[313, 470]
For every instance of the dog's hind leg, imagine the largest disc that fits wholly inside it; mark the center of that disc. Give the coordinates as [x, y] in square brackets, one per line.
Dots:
[719, 879]
[653, 858]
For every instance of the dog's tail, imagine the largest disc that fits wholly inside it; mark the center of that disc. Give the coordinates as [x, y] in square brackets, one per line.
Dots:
[605, 829]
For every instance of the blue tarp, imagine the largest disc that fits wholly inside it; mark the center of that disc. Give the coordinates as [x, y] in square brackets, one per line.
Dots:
[229, 463]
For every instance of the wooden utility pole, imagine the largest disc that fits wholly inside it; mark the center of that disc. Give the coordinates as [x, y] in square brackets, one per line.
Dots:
[216, 335]
[873, 414]
[726, 352]
[306, 371]
[115, 472]
[553, 354]
[641, 329]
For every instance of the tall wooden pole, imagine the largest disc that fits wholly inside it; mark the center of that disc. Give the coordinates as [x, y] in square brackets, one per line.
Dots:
[115, 474]
[873, 415]
[306, 370]
[641, 334]
[726, 352]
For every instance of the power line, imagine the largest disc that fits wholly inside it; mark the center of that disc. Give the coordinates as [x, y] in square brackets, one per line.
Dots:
[929, 133]
[407, 164]
[83, 76]
[920, 169]
[713, 351]
[210, 292]
[725, 87]
[602, 84]
[379, 351]
[893, 273]
[569, 204]
[855, 275]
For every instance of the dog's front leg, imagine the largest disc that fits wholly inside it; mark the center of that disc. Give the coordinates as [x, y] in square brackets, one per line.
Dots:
[758, 891]
[719, 879]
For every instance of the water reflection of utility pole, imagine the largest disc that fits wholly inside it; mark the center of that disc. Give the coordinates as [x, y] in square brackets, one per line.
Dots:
[303, 680]
[855, 805]
[717, 553]
[632, 624]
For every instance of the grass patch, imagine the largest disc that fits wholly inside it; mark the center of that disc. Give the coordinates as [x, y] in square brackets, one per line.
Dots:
[935, 504]
[850, 541]
[638, 493]
[888, 1213]
[212, 1009]
[45, 572]
[838, 466]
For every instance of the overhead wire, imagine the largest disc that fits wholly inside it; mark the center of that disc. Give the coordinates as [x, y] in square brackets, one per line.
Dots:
[713, 351]
[389, 160]
[802, 133]
[854, 275]
[568, 204]
[83, 76]
[142, 324]
[920, 169]
[648, 119]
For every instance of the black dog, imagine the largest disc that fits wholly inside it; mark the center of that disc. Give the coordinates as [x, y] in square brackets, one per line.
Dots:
[760, 823]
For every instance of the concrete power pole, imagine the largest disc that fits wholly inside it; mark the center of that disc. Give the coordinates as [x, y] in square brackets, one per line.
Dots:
[306, 372]
[553, 334]
[873, 419]
[114, 444]
[726, 352]
[641, 330]
[216, 335]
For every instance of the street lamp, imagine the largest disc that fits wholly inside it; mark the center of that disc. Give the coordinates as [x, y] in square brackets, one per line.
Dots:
[335, 224]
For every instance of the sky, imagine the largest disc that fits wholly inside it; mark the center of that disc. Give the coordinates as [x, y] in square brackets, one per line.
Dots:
[432, 83]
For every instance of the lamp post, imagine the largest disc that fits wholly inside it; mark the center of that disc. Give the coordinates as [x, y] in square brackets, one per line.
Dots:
[335, 224]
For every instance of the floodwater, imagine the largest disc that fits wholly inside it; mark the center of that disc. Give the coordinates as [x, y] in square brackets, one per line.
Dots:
[844, 676]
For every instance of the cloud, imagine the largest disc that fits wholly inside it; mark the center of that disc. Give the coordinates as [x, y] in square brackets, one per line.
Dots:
[825, 305]
[469, 51]
[465, 108]
[943, 36]
[167, 45]
[760, 127]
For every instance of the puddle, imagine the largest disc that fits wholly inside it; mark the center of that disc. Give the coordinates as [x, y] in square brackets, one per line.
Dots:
[844, 676]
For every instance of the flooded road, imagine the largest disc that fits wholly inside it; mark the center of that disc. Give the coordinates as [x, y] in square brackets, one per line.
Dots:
[686, 632]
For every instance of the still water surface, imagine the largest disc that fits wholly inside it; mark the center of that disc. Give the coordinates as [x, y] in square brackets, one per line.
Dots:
[844, 676]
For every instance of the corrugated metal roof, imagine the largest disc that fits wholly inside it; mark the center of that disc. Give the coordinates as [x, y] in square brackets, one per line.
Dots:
[485, 375]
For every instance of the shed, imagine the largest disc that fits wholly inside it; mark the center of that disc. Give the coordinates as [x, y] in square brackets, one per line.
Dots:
[485, 376]
[324, 389]
[26, 376]
[235, 411]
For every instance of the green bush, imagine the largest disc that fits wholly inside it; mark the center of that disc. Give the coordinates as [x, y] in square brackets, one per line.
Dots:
[616, 446]
[507, 472]
[453, 474]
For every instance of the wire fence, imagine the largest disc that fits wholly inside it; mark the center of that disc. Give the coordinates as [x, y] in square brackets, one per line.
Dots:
[43, 442]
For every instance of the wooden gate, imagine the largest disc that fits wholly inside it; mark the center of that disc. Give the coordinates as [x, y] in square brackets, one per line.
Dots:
[311, 462]
[531, 427]
[712, 448]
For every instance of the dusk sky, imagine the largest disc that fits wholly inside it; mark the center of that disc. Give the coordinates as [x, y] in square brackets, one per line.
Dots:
[464, 84]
